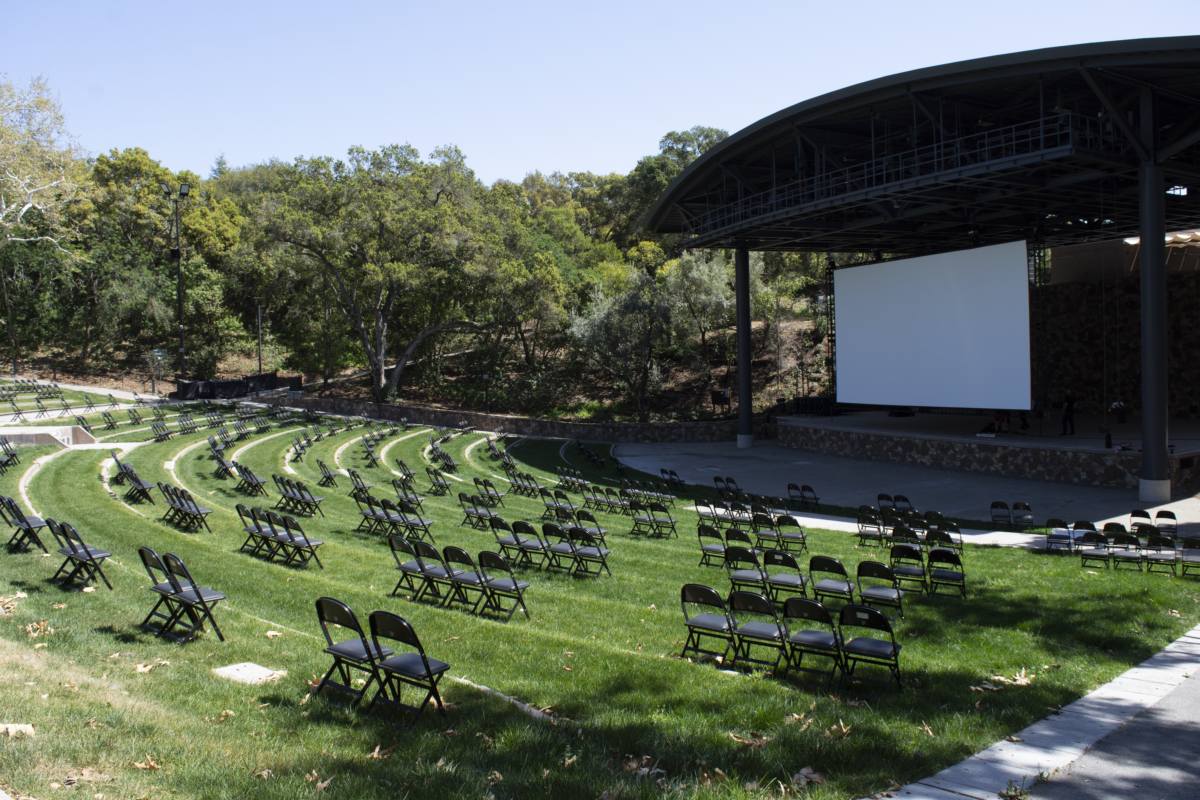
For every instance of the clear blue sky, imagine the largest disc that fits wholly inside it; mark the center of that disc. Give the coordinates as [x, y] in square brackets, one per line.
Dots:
[518, 86]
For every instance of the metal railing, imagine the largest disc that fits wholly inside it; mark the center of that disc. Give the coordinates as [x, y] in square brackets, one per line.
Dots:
[976, 153]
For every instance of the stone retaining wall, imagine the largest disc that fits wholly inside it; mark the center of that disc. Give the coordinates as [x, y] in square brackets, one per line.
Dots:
[679, 432]
[1113, 470]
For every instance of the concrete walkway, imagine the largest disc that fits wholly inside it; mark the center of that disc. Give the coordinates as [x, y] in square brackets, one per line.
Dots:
[768, 468]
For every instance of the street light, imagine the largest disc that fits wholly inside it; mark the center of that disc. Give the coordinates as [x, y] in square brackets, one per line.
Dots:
[176, 256]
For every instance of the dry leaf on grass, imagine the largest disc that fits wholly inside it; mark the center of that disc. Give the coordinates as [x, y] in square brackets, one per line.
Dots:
[381, 753]
[142, 669]
[89, 589]
[1013, 739]
[839, 731]
[7, 604]
[925, 729]
[264, 774]
[273, 634]
[1019, 679]
[1173, 612]
[226, 714]
[754, 740]
[986, 686]
[40, 646]
[807, 775]
[494, 777]
[39, 628]
[58, 606]
[148, 764]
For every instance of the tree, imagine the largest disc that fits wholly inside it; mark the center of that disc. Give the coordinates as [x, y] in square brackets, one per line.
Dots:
[623, 333]
[389, 231]
[701, 281]
[684, 147]
[39, 170]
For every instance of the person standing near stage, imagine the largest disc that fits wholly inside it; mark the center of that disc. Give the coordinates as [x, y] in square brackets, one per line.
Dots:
[1068, 413]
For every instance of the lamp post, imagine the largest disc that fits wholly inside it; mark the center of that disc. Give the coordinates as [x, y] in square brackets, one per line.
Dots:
[176, 256]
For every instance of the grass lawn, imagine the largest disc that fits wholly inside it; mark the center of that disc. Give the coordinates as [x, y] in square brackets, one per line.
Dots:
[628, 718]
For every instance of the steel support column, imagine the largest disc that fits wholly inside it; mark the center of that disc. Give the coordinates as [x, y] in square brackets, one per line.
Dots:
[1155, 483]
[741, 268]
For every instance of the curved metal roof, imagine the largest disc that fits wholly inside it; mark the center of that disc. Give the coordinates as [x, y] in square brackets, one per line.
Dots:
[1040, 144]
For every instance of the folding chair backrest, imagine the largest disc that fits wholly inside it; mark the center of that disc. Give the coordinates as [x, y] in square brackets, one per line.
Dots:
[827, 564]
[550, 529]
[1113, 528]
[779, 558]
[740, 555]
[1094, 538]
[1055, 523]
[401, 547]
[853, 616]
[492, 561]
[803, 608]
[1126, 540]
[456, 555]
[752, 603]
[426, 551]
[885, 501]
[875, 570]
[178, 573]
[1083, 525]
[335, 612]
[762, 522]
[523, 528]
[154, 566]
[741, 537]
[1159, 542]
[936, 538]
[386, 625]
[700, 595]
[57, 532]
[1145, 530]
[709, 532]
[906, 552]
[940, 556]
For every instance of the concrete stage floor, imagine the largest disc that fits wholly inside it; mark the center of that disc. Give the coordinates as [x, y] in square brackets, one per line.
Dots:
[768, 468]
[1184, 433]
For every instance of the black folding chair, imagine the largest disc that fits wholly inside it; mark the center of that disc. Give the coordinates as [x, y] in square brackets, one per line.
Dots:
[351, 654]
[946, 569]
[195, 601]
[866, 649]
[783, 576]
[502, 583]
[467, 580]
[908, 565]
[396, 670]
[82, 561]
[839, 587]
[708, 618]
[879, 586]
[756, 625]
[160, 584]
[812, 641]
[712, 546]
[27, 527]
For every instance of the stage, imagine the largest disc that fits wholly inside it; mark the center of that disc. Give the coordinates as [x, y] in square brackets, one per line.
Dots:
[949, 441]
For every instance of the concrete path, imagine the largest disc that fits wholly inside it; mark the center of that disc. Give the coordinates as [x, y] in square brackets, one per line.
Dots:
[768, 468]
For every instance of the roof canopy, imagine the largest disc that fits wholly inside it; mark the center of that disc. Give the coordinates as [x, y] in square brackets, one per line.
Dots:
[1043, 145]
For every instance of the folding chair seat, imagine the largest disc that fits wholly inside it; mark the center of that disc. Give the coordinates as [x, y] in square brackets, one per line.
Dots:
[81, 560]
[707, 618]
[946, 569]
[355, 653]
[468, 579]
[194, 601]
[1159, 551]
[259, 536]
[437, 482]
[745, 571]
[879, 651]
[488, 493]
[308, 501]
[811, 640]
[878, 585]
[740, 516]
[908, 565]
[756, 625]
[1189, 557]
[392, 521]
[506, 540]
[1001, 515]
[194, 515]
[838, 587]
[27, 527]
[791, 535]
[1125, 548]
[160, 584]
[138, 489]
[502, 583]
[369, 518]
[1166, 522]
[174, 509]
[589, 556]
[397, 670]
[1058, 536]
[783, 576]
[712, 546]
[134, 417]
[618, 503]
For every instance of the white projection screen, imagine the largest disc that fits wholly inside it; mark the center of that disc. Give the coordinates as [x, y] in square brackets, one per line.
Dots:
[949, 331]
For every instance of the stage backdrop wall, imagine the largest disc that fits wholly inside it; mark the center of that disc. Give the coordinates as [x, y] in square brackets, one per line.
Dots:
[945, 330]
[1094, 344]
